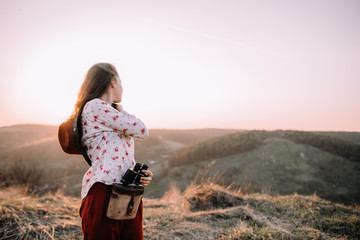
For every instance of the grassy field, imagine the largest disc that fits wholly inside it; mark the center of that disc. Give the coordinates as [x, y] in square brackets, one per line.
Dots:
[205, 210]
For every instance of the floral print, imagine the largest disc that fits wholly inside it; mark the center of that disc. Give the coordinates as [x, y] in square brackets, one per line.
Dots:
[108, 135]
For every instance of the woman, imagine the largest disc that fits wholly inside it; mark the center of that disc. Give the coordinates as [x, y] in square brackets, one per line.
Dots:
[107, 134]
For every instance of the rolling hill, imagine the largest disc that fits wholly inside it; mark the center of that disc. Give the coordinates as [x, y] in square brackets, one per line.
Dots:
[272, 161]
[35, 148]
[280, 161]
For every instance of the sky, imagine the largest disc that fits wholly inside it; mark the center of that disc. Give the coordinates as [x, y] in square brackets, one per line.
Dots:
[187, 64]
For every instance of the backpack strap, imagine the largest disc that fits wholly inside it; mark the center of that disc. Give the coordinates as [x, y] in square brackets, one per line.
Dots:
[77, 129]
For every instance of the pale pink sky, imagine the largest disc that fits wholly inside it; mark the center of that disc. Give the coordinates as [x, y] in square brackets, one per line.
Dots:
[187, 64]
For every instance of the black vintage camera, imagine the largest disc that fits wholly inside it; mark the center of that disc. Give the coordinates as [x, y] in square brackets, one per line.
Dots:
[132, 176]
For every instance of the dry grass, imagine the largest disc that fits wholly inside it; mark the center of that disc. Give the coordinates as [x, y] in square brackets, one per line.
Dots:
[209, 211]
[203, 211]
[210, 196]
[51, 216]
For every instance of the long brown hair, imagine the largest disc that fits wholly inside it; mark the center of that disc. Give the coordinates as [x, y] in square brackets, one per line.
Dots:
[96, 82]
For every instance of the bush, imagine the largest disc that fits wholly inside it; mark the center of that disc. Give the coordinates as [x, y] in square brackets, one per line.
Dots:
[211, 196]
[23, 173]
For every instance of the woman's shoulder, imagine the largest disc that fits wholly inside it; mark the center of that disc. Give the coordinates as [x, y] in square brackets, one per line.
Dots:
[93, 106]
[96, 102]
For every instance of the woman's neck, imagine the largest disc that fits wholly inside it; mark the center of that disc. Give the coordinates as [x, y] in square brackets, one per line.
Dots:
[107, 97]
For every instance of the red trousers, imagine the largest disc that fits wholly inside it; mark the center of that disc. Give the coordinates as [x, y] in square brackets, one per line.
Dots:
[95, 225]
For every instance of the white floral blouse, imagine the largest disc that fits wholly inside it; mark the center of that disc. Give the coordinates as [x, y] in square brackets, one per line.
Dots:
[108, 137]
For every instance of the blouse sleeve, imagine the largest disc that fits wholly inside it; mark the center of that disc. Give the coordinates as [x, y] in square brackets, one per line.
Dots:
[127, 124]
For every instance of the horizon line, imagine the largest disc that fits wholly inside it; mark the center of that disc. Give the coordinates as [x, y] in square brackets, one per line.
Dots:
[193, 129]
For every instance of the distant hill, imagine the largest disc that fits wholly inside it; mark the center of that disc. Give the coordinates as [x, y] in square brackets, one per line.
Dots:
[36, 148]
[35, 140]
[18, 136]
[244, 141]
[283, 161]
[353, 137]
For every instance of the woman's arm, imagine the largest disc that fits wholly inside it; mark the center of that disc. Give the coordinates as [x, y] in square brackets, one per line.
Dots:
[125, 123]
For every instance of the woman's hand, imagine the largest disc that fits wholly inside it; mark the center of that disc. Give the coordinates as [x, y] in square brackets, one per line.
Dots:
[146, 180]
[119, 107]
